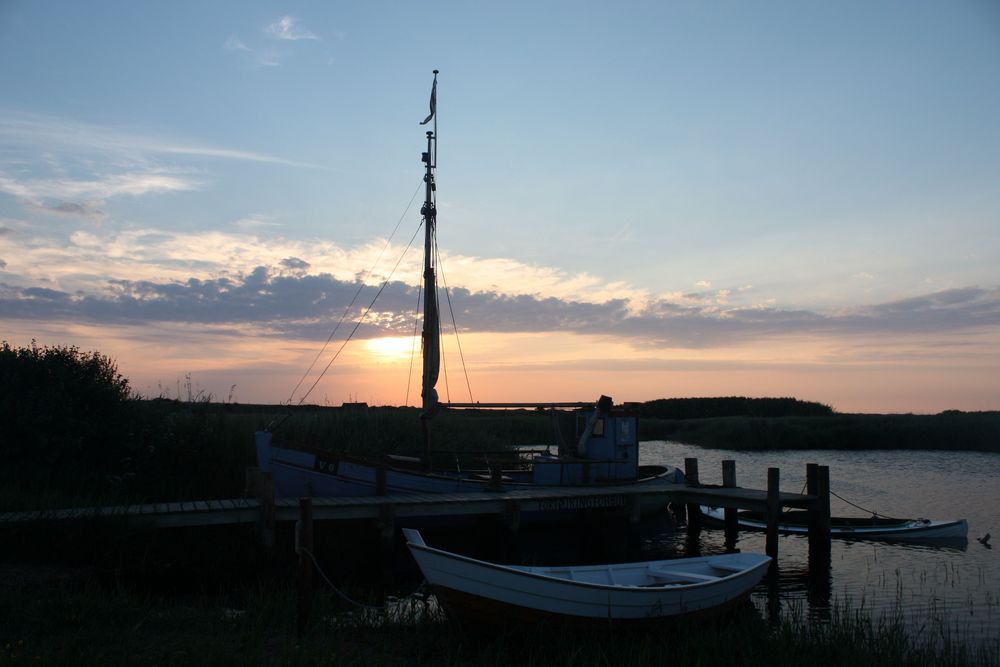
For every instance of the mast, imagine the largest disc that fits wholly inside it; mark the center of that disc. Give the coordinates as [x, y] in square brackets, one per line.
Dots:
[431, 334]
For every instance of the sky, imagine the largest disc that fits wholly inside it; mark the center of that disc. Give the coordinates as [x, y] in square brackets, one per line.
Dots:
[638, 199]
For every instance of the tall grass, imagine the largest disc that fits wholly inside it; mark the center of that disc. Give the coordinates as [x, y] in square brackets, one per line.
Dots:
[93, 625]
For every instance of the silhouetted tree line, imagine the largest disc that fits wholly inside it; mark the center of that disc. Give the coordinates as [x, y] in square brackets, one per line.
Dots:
[70, 424]
[732, 406]
[62, 408]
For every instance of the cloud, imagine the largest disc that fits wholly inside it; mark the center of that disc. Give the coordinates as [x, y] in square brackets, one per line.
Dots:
[288, 28]
[133, 184]
[84, 165]
[287, 301]
[234, 43]
[37, 133]
[86, 210]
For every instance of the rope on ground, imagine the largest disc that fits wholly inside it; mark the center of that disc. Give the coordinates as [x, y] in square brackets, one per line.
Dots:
[343, 596]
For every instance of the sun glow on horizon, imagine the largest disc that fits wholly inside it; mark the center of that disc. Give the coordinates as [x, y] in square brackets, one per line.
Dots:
[391, 348]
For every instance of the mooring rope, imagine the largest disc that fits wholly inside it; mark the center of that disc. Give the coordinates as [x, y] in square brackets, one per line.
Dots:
[863, 509]
[343, 596]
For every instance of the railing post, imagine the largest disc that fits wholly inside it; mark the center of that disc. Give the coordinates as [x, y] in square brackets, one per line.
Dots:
[773, 511]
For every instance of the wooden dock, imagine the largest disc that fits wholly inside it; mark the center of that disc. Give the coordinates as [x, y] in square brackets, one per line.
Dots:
[511, 504]
[416, 505]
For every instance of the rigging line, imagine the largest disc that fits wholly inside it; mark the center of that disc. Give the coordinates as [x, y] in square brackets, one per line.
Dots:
[361, 286]
[444, 358]
[444, 362]
[454, 324]
[363, 315]
[413, 342]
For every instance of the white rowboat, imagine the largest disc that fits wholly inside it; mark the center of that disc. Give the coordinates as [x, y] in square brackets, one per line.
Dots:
[473, 589]
[882, 528]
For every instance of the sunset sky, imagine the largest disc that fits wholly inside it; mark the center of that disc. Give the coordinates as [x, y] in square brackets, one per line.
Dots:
[640, 199]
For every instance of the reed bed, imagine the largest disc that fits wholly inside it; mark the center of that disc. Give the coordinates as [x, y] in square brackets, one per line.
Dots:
[87, 624]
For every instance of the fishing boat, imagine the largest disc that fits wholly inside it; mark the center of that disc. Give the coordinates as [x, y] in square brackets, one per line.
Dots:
[604, 451]
[480, 591]
[796, 522]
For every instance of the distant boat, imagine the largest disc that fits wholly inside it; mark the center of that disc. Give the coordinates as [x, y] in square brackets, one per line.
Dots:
[475, 590]
[796, 522]
[604, 451]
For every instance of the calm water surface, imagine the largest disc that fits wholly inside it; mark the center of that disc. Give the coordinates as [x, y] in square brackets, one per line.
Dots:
[950, 588]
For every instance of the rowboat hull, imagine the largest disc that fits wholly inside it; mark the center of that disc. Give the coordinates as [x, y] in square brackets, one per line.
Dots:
[852, 528]
[631, 592]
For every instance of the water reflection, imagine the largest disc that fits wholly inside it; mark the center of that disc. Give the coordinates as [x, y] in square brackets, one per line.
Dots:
[952, 585]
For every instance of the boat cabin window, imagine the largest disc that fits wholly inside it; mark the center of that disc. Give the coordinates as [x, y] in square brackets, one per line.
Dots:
[597, 430]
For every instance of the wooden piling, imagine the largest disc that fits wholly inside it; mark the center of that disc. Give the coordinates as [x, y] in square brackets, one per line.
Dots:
[691, 471]
[811, 473]
[731, 513]
[691, 475]
[823, 492]
[773, 511]
[380, 486]
[496, 478]
[304, 546]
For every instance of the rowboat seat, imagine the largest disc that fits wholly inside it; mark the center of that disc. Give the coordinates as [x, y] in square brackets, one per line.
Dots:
[676, 576]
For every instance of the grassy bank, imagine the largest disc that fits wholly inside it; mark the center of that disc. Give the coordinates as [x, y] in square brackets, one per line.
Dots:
[76, 624]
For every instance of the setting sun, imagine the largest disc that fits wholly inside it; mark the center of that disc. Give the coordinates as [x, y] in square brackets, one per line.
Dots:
[394, 348]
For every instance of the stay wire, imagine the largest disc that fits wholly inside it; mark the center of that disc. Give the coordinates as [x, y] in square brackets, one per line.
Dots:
[357, 293]
[454, 324]
[413, 344]
[363, 315]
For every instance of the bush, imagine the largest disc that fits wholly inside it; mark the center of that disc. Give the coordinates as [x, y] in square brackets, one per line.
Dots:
[66, 413]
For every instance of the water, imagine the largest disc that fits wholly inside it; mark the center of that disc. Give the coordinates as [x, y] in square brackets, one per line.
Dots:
[950, 588]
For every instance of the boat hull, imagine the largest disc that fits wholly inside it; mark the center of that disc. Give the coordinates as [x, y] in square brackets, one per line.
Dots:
[894, 529]
[482, 591]
[298, 473]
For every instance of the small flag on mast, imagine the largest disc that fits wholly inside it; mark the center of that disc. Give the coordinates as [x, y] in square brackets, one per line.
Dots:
[434, 94]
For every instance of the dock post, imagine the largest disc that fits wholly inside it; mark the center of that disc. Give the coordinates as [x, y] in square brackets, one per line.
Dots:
[380, 481]
[773, 511]
[691, 474]
[823, 492]
[812, 470]
[265, 522]
[731, 513]
[304, 547]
